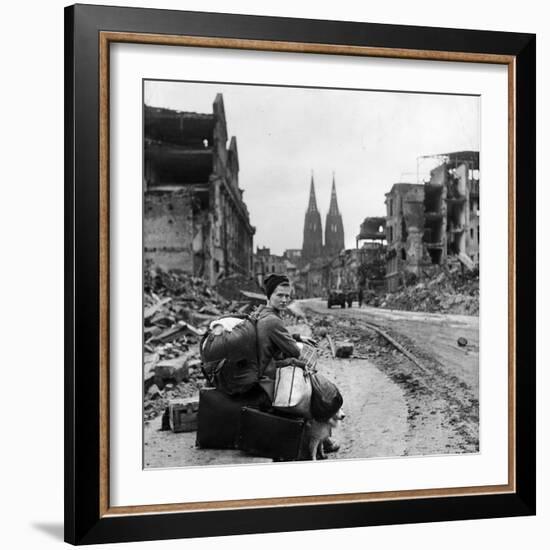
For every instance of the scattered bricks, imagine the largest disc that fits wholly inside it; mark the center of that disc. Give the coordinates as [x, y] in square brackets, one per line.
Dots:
[151, 332]
[168, 334]
[148, 380]
[183, 414]
[177, 306]
[173, 369]
[201, 318]
[343, 349]
[151, 310]
[158, 382]
[210, 310]
[245, 308]
[191, 329]
[194, 366]
[162, 319]
[153, 392]
[150, 360]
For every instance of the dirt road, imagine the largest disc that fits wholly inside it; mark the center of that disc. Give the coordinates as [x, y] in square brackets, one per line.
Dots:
[393, 407]
[375, 424]
[434, 334]
[442, 395]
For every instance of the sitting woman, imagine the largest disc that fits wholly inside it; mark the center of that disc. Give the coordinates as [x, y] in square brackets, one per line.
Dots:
[276, 346]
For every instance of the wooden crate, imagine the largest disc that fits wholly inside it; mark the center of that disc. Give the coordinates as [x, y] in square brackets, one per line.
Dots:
[183, 414]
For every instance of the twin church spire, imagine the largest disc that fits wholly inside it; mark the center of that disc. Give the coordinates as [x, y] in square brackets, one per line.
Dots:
[313, 232]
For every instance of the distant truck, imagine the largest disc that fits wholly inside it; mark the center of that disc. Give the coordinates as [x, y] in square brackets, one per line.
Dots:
[336, 298]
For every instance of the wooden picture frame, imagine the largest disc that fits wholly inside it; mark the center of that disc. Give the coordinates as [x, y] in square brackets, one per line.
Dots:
[89, 33]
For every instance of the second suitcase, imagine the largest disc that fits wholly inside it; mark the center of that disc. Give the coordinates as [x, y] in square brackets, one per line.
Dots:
[219, 417]
[269, 435]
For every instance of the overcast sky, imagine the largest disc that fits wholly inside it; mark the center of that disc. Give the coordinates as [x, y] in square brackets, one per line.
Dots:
[369, 139]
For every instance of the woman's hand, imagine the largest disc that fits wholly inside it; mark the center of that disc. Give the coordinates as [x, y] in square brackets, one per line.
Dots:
[309, 341]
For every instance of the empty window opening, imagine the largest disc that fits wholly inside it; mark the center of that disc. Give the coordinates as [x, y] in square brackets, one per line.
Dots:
[432, 199]
[404, 232]
[435, 255]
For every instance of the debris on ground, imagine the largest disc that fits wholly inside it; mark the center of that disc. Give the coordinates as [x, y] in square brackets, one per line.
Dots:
[343, 349]
[462, 342]
[451, 291]
[426, 390]
[177, 310]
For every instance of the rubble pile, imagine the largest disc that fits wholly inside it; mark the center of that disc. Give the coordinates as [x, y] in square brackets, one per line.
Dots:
[177, 310]
[230, 287]
[450, 291]
[344, 338]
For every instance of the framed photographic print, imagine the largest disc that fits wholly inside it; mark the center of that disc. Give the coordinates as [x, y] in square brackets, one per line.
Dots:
[299, 274]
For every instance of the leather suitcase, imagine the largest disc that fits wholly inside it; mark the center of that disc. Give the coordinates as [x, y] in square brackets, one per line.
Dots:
[219, 417]
[269, 435]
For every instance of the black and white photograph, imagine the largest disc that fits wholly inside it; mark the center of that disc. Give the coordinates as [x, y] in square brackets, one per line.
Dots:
[311, 273]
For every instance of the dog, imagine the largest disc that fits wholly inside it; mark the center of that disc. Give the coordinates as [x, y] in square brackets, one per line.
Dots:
[320, 432]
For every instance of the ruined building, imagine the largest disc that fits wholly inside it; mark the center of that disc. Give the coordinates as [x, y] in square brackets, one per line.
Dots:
[266, 263]
[313, 232]
[195, 218]
[294, 255]
[404, 231]
[451, 206]
[334, 228]
[372, 230]
[436, 222]
[371, 271]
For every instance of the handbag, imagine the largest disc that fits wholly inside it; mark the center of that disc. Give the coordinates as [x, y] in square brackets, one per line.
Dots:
[292, 393]
[326, 398]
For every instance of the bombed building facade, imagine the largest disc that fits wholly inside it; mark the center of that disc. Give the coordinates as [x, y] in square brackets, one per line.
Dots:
[195, 218]
[266, 263]
[451, 205]
[371, 245]
[404, 231]
[435, 222]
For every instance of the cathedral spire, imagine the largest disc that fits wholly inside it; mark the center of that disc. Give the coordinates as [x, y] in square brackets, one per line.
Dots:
[334, 227]
[333, 208]
[312, 206]
[313, 233]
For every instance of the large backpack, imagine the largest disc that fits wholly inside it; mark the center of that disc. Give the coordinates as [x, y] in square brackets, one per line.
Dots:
[229, 354]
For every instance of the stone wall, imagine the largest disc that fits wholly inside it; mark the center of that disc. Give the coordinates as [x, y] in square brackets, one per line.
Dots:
[168, 229]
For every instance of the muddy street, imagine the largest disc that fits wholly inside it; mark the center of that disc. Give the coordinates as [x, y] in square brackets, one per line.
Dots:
[375, 424]
[434, 334]
[440, 390]
[393, 406]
